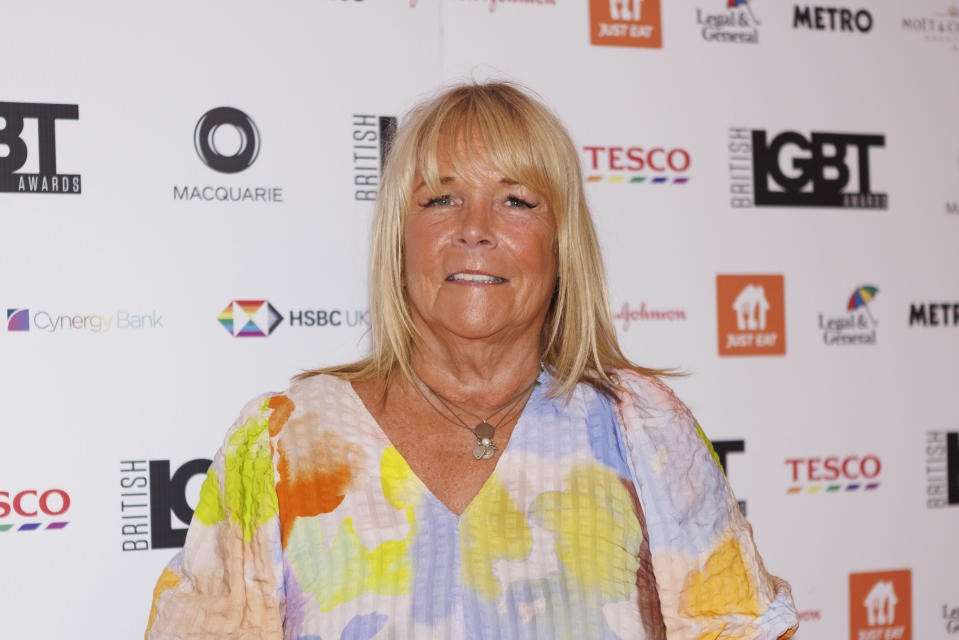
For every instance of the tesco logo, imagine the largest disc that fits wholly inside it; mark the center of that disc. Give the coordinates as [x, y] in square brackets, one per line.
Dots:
[656, 159]
[32, 503]
[834, 468]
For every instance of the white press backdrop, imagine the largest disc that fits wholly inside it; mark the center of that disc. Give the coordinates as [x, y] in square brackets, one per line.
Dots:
[79, 405]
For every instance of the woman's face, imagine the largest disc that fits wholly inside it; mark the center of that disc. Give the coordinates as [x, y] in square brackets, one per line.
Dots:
[480, 259]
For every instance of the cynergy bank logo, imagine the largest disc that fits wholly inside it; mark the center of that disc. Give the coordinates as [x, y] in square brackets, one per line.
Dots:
[751, 313]
[942, 469]
[150, 495]
[372, 137]
[41, 508]
[880, 605]
[18, 319]
[636, 165]
[791, 170]
[57, 322]
[625, 23]
[35, 144]
[228, 141]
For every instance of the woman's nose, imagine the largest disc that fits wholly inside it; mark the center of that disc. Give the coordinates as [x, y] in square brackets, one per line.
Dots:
[476, 225]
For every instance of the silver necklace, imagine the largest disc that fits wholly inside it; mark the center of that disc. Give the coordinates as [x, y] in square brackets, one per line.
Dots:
[484, 432]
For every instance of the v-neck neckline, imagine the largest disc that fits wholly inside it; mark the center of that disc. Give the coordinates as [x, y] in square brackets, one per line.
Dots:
[520, 424]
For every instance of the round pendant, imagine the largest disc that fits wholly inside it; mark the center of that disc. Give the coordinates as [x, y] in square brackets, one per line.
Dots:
[479, 452]
[489, 453]
[484, 430]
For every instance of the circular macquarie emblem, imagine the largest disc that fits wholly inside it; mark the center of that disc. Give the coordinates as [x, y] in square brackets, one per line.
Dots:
[224, 158]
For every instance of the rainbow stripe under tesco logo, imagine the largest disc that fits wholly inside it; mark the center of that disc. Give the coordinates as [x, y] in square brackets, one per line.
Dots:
[41, 509]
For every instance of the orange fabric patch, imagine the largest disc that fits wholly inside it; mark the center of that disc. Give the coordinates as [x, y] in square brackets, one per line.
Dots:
[282, 408]
[310, 494]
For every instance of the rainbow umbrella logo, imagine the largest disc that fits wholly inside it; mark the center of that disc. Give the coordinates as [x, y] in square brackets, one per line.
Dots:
[860, 299]
[732, 4]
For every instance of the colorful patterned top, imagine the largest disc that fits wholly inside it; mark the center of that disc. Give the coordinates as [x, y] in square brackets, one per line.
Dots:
[311, 526]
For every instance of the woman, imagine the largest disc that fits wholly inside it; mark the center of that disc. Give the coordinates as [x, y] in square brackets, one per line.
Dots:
[496, 468]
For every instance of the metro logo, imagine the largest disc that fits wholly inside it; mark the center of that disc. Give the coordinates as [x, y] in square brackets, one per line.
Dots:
[625, 23]
[832, 474]
[32, 503]
[880, 605]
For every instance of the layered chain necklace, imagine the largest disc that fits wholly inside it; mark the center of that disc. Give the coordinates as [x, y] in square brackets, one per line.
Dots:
[484, 430]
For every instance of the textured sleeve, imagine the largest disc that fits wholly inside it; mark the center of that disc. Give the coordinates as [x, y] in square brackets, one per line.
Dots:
[227, 581]
[711, 580]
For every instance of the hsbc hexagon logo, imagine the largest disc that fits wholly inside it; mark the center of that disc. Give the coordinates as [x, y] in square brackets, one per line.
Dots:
[250, 318]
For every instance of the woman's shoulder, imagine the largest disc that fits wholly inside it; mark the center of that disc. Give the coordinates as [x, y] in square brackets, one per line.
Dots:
[268, 412]
[649, 396]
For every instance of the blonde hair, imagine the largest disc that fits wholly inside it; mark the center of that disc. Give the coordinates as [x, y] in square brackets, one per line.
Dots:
[529, 144]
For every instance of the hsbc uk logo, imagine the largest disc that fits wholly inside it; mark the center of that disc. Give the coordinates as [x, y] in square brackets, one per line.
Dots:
[259, 318]
[833, 474]
[250, 318]
[789, 169]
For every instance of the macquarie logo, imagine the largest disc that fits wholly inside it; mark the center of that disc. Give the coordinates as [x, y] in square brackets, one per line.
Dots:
[625, 23]
[942, 469]
[45, 321]
[842, 19]
[636, 165]
[728, 21]
[250, 318]
[857, 326]
[791, 169]
[227, 141]
[29, 135]
[150, 496]
[833, 474]
[880, 605]
[372, 136]
[33, 509]
[751, 315]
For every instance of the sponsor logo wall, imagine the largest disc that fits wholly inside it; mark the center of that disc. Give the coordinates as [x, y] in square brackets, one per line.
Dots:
[775, 188]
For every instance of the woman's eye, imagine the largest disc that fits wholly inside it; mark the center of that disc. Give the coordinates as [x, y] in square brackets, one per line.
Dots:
[439, 201]
[515, 201]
